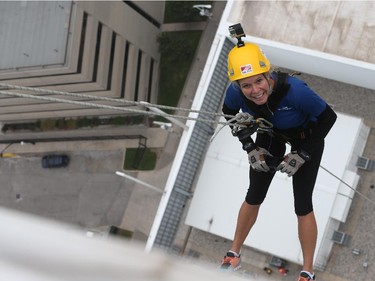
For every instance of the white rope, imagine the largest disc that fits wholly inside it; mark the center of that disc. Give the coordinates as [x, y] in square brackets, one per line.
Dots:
[352, 188]
[123, 101]
[125, 109]
[241, 118]
[222, 126]
[244, 119]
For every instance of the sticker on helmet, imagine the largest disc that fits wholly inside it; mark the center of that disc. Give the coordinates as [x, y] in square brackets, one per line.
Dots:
[246, 69]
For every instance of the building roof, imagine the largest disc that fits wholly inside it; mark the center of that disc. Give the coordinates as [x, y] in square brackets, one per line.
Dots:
[223, 183]
[342, 28]
[35, 32]
[328, 40]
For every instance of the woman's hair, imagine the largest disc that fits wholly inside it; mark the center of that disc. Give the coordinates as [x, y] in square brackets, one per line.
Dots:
[236, 84]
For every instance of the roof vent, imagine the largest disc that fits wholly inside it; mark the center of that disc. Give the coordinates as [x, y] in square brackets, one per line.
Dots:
[340, 238]
[365, 163]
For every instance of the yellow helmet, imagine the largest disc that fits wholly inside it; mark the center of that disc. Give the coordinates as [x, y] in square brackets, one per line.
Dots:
[246, 61]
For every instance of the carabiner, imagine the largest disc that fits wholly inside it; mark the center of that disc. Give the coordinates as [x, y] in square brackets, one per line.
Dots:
[264, 124]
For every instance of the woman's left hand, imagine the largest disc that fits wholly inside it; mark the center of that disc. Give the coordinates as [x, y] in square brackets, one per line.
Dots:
[291, 163]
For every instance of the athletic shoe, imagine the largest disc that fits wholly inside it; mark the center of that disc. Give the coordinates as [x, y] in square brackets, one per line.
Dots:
[304, 276]
[230, 262]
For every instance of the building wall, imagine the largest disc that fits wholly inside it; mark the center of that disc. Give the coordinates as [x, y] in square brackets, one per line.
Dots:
[154, 8]
[343, 28]
[110, 51]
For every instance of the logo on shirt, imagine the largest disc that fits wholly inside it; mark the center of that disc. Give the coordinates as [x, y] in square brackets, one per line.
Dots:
[284, 108]
[245, 69]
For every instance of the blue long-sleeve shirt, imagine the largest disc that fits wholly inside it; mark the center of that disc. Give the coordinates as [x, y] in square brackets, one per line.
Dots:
[299, 106]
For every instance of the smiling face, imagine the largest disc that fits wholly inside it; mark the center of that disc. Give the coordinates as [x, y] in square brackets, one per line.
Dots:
[256, 88]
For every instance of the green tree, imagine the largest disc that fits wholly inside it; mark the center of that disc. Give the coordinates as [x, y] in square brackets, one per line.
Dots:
[175, 63]
[183, 11]
[47, 124]
[174, 47]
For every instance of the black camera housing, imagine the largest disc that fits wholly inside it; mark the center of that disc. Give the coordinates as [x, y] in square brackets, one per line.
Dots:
[236, 31]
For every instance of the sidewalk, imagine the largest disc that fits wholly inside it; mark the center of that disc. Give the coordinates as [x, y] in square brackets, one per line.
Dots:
[117, 138]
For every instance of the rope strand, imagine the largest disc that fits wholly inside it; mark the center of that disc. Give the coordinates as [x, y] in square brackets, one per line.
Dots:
[352, 188]
[135, 103]
[125, 109]
[264, 124]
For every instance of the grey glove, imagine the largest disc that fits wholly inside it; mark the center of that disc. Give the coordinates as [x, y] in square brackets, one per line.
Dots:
[291, 163]
[257, 159]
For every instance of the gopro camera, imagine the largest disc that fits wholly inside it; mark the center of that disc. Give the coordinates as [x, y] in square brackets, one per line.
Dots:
[236, 31]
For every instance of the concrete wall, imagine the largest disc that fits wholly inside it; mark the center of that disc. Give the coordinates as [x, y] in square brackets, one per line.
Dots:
[107, 43]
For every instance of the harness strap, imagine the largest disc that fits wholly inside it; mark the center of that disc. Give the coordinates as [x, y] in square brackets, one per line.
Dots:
[298, 133]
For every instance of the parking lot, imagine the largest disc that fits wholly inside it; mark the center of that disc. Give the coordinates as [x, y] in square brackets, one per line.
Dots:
[87, 192]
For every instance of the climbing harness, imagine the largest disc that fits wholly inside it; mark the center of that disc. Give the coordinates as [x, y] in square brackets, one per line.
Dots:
[241, 120]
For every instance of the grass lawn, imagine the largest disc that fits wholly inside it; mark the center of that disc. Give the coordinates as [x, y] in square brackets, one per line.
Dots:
[147, 162]
[175, 64]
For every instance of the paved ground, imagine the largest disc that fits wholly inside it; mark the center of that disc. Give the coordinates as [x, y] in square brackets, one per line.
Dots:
[86, 193]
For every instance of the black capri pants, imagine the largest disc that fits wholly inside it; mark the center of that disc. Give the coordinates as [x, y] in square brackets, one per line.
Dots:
[303, 180]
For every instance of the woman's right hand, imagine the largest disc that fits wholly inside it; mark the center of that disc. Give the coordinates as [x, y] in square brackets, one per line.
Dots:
[257, 159]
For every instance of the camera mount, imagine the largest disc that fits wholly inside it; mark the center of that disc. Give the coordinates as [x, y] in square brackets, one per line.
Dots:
[236, 31]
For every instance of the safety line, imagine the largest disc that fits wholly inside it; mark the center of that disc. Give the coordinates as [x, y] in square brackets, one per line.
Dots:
[356, 191]
[123, 101]
[89, 104]
[135, 103]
